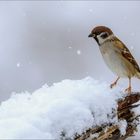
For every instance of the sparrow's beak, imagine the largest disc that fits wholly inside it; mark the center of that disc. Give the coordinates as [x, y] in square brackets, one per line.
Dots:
[91, 35]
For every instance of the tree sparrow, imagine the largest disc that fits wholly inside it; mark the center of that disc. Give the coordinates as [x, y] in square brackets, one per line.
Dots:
[116, 55]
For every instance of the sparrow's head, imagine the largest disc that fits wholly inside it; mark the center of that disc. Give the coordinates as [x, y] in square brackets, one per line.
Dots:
[100, 34]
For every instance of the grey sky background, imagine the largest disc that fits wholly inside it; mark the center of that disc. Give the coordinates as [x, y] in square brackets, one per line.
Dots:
[47, 41]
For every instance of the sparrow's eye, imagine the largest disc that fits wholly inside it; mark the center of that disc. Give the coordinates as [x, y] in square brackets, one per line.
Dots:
[104, 35]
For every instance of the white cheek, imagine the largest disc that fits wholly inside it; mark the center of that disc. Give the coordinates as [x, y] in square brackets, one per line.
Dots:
[101, 40]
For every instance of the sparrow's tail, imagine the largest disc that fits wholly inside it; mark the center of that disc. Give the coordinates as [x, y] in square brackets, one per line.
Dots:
[138, 75]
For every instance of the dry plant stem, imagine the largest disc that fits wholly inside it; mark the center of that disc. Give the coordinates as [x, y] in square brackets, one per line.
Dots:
[111, 131]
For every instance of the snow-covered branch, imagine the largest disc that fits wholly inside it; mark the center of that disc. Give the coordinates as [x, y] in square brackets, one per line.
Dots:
[71, 109]
[128, 121]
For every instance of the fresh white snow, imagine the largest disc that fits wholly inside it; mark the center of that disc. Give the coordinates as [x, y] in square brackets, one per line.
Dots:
[122, 127]
[67, 107]
[137, 112]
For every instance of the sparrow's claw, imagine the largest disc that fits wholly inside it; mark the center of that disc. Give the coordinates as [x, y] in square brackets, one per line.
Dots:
[113, 84]
[128, 90]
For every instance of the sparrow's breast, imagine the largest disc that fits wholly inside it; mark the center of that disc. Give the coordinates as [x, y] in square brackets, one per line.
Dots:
[115, 61]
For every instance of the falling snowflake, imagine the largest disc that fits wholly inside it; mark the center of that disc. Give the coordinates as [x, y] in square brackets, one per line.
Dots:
[78, 52]
[90, 10]
[132, 47]
[70, 47]
[18, 64]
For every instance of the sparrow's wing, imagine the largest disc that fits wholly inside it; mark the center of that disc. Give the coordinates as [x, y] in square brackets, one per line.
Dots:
[126, 54]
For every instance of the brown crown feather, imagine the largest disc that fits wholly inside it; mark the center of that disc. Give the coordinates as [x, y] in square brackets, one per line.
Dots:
[99, 29]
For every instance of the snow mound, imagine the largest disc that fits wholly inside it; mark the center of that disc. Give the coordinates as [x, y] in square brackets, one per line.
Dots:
[61, 110]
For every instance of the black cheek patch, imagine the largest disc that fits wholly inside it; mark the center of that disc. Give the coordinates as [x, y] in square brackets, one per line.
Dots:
[104, 35]
[97, 40]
